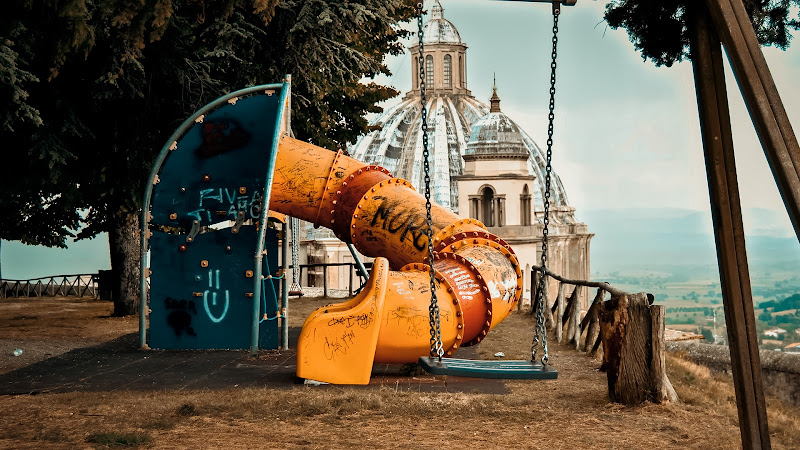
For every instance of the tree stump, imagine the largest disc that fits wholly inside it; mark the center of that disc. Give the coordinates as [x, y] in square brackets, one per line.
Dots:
[626, 330]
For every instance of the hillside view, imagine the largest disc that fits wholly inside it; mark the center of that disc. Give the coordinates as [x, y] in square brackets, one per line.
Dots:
[667, 252]
[670, 253]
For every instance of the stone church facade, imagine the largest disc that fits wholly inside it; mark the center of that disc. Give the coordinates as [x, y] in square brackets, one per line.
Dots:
[483, 165]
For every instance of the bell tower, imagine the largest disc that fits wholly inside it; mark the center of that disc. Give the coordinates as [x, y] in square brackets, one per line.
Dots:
[444, 58]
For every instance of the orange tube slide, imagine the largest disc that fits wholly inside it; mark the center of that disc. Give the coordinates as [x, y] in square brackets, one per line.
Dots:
[478, 279]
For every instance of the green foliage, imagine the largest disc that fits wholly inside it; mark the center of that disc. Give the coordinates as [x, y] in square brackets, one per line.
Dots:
[791, 302]
[91, 90]
[708, 335]
[659, 28]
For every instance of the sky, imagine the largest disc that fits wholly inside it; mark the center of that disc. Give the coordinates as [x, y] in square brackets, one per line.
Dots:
[627, 133]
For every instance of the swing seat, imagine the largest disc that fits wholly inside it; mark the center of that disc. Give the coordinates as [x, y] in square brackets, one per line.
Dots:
[503, 369]
[298, 293]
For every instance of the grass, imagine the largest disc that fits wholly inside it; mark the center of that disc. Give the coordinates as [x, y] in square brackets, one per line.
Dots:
[697, 386]
[570, 412]
[115, 439]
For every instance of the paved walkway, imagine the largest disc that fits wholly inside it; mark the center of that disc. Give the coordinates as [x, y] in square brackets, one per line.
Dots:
[119, 365]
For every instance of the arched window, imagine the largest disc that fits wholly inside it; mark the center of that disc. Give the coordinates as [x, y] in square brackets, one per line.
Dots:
[429, 72]
[487, 206]
[448, 71]
[525, 207]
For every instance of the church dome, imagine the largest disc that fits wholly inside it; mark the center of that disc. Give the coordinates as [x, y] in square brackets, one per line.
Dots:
[454, 115]
[495, 135]
[439, 30]
[397, 145]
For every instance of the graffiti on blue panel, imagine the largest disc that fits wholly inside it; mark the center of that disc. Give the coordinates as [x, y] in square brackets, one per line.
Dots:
[228, 200]
[213, 282]
[221, 136]
[180, 316]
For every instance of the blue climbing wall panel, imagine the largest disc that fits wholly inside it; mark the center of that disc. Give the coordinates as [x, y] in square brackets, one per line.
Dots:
[206, 209]
[200, 297]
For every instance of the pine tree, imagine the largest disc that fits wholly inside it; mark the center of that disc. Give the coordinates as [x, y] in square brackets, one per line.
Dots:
[90, 91]
[658, 28]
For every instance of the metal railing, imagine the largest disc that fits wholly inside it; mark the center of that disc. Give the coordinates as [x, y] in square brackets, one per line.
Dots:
[352, 273]
[80, 285]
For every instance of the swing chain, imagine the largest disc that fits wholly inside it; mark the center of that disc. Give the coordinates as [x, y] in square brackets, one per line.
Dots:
[540, 334]
[437, 349]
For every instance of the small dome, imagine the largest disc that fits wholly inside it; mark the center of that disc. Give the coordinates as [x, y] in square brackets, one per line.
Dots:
[439, 30]
[496, 134]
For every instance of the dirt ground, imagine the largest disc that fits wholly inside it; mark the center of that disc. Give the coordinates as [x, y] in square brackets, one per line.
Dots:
[572, 411]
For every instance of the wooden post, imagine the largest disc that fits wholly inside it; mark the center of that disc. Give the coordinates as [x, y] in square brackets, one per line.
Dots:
[592, 325]
[576, 318]
[662, 388]
[568, 307]
[548, 313]
[625, 331]
[560, 312]
[727, 219]
[762, 99]
[534, 289]
[569, 315]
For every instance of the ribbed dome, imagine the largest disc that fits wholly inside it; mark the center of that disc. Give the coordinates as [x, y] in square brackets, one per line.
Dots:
[439, 30]
[452, 116]
[497, 135]
[397, 146]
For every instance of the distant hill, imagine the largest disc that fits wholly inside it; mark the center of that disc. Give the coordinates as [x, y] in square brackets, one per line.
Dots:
[667, 239]
[676, 241]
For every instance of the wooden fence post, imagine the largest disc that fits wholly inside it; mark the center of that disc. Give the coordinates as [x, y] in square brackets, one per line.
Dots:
[628, 336]
[548, 313]
[560, 312]
[662, 388]
[591, 321]
[575, 326]
[534, 289]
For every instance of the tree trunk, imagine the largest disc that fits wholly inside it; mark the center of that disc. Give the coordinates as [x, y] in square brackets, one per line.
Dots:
[124, 247]
[632, 333]
[625, 329]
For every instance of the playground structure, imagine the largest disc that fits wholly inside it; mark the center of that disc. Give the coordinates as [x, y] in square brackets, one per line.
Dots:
[205, 220]
[715, 23]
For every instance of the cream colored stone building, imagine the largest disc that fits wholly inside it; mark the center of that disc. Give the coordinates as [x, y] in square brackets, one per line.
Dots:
[483, 164]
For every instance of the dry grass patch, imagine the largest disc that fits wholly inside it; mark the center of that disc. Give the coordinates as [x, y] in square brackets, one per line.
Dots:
[570, 412]
[697, 386]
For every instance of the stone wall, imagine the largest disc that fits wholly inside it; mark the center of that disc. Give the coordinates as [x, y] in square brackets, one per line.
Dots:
[780, 371]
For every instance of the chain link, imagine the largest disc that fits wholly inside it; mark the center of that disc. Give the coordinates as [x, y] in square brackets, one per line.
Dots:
[437, 349]
[540, 333]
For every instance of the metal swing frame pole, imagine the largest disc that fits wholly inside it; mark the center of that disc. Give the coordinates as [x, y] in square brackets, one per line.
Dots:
[727, 22]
